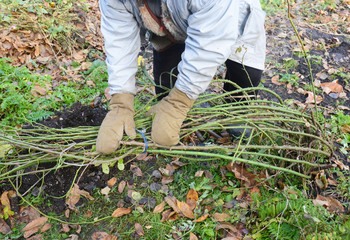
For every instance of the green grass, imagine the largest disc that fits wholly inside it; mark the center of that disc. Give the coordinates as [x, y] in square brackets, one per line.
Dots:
[20, 103]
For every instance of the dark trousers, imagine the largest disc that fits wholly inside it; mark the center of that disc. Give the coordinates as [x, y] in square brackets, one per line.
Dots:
[165, 72]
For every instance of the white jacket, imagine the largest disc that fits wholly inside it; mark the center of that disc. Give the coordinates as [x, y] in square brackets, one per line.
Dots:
[216, 30]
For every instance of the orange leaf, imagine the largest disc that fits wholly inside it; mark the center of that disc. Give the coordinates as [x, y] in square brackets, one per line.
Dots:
[192, 198]
[159, 208]
[333, 86]
[185, 209]
[167, 214]
[121, 212]
[202, 218]
[275, 81]
[111, 182]
[193, 237]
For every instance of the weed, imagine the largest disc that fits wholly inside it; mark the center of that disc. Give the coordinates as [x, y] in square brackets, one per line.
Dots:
[290, 63]
[291, 79]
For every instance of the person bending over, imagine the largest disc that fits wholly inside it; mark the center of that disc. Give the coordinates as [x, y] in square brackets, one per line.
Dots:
[193, 37]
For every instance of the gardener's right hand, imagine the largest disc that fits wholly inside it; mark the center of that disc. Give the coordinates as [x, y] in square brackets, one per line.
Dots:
[119, 119]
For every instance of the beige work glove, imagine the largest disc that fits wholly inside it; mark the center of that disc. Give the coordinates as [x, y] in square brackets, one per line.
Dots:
[120, 118]
[170, 112]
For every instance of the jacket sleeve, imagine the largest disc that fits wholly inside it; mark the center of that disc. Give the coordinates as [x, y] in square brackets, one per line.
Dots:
[212, 30]
[122, 43]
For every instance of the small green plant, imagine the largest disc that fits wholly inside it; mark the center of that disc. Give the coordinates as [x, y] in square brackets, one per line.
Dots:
[290, 63]
[291, 79]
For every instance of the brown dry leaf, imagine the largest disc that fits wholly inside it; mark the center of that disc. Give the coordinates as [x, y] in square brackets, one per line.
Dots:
[275, 81]
[202, 218]
[321, 180]
[33, 226]
[46, 227]
[233, 232]
[221, 217]
[136, 170]
[65, 227]
[74, 196]
[167, 214]
[199, 173]
[167, 179]
[39, 90]
[159, 208]
[331, 204]
[121, 211]
[5, 201]
[111, 182]
[345, 128]
[105, 191]
[102, 236]
[172, 202]
[121, 186]
[67, 213]
[139, 230]
[333, 86]
[249, 179]
[27, 215]
[91, 83]
[88, 213]
[36, 237]
[4, 228]
[185, 209]
[340, 164]
[176, 163]
[142, 156]
[310, 98]
[108, 96]
[192, 198]
[193, 237]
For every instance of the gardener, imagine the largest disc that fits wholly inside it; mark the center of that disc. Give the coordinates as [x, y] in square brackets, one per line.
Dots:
[196, 37]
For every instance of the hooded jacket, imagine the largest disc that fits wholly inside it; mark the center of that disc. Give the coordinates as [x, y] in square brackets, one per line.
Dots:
[212, 30]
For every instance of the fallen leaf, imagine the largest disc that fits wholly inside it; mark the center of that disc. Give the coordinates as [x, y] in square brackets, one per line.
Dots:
[275, 81]
[221, 217]
[199, 173]
[91, 83]
[345, 128]
[136, 170]
[249, 179]
[36, 237]
[149, 227]
[38, 90]
[202, 218]
[192, 198]
[185, 209]
[105, 191]
[176, 163]
[121, 211]
[4, 228]
[159, 208]
[233, 232]
[167, 214]
[5, 201]
[73, 237]
[167, 179]
[193, 237]
[310, 98]
[33, 226]
[111, 182]
[88, 213]
[139, 229]
[333, 86]
[331, 204]
[65, 227]
[67, 213]
[74, 196]
[46, 227]
[172, 202]
[340, 164]
[102, 236]
[121, 186]
[108, 96]
[142, 156]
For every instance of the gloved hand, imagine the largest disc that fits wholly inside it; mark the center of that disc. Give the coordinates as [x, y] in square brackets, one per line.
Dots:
[119, 119]
[170, 112]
